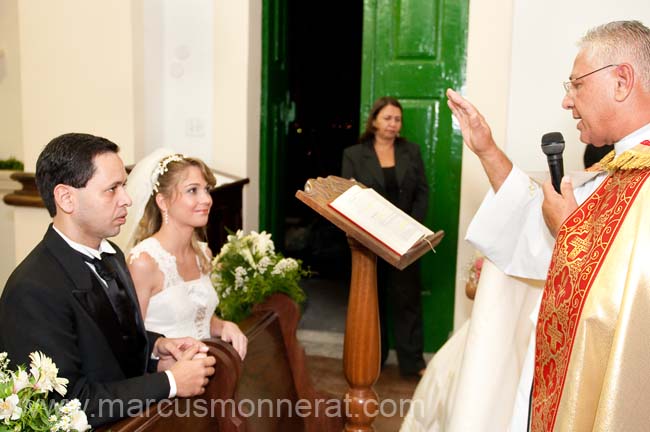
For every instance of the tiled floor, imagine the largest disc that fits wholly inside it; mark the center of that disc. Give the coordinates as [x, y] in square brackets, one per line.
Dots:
[394, 391]
[326, 305]
[321, 333]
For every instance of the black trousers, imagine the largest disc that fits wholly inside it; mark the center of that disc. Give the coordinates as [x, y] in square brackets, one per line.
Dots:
[400, 292]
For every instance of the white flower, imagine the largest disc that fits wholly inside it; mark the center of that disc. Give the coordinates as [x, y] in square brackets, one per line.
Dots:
[9, 409]
[162, 168]
[240, 274]
[71, 407]
[79, 421]
[262, 245]
[45, 372]
[284, 265]
[225, 250]
[16, 408]
[263, 264]
[21, 380]
[62, 425]
[248, 256]
[73, 417]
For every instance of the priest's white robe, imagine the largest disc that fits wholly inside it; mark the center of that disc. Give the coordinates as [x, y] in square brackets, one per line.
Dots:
[480, 380]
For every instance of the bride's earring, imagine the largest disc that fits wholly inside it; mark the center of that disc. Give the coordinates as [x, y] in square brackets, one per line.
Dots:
[165, 217]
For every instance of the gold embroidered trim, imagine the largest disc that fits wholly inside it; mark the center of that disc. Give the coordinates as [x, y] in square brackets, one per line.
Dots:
[582, 245]
[634, 158]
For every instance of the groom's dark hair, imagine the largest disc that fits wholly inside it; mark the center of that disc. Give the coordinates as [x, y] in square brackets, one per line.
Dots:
[68, 159]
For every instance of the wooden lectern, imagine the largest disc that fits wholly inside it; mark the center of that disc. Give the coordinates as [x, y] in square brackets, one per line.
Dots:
[361, 349]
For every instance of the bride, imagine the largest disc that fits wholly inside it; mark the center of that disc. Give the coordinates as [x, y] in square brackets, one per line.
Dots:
[170, 266]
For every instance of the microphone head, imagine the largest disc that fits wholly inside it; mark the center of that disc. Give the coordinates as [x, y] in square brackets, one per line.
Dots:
[552, 143]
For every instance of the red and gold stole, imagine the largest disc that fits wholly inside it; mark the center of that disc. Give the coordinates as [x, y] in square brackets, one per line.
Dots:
[581, 247]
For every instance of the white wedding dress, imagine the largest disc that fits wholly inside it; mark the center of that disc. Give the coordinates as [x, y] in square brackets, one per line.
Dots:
[182, 308]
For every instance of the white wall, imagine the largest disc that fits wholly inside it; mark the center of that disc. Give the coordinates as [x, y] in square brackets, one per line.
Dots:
[202, 85]
[542, 40]
[10, 112]
[143, 73]
[178, 85]
[67, 67]
[238, 65]
[30, 224]
[76, 72]
[10, 128]
[8, 249]
[488, 77]
[544, 46]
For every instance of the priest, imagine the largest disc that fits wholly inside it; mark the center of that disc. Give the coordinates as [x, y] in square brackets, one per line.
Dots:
[592, 347]
[588, 355]
[611, 102]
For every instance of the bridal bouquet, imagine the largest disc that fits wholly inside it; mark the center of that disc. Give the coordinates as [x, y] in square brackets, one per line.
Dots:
[247, 271]
[23, 398]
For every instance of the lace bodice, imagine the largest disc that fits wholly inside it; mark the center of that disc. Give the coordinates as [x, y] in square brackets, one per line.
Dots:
[182, 308]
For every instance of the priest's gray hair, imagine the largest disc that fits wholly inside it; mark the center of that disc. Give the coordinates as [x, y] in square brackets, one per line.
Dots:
[621, 42]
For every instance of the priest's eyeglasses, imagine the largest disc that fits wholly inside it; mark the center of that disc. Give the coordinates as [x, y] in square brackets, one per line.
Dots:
[569, 86]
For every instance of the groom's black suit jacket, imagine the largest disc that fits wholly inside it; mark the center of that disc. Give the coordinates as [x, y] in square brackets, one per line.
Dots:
[54, 303]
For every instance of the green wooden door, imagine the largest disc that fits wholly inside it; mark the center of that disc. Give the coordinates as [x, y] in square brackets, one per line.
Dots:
[276, 111]
[414, 50]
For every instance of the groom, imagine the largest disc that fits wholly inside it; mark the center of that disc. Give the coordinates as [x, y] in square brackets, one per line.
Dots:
[73, 299]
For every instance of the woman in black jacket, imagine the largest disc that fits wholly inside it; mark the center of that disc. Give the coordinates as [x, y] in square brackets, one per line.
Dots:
[393, 167]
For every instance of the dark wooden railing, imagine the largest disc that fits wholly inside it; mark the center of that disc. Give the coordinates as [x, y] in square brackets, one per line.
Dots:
[27, 196]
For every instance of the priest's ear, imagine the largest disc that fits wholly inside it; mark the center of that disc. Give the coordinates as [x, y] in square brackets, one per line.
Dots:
[64, 197]
[625, 80]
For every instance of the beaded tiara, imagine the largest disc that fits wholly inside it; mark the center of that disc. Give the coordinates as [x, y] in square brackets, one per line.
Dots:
[162, 168]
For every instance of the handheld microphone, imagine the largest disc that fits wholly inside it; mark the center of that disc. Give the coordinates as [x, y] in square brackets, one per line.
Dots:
[553, 146]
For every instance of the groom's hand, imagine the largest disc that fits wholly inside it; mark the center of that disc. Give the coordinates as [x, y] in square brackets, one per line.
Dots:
[171, 350]
[191, 372]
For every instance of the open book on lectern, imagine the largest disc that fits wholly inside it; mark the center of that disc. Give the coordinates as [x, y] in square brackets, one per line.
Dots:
[380, 218]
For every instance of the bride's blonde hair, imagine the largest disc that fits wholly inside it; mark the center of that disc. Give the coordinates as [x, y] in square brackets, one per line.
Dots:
[171, 175]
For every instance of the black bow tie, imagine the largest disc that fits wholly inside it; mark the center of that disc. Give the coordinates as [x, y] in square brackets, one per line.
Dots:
[103, 268]
[125, 309]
